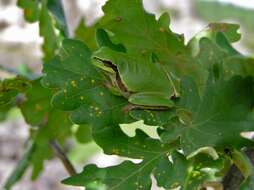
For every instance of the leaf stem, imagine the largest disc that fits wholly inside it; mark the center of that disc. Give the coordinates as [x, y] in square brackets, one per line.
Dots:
[54, 144]
[61, 155]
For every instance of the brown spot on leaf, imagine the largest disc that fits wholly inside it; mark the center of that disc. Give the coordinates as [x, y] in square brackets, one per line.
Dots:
[118, 19]
[162, 29]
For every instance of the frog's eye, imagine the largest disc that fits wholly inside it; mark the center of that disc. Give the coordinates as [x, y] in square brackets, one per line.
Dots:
[104, 65]
[109, 67]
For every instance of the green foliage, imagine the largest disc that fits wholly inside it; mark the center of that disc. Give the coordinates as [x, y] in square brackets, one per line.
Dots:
[31, 9]
[134, 176]
[248, 184]
[9, 89]
[20, 169]
[188, 174]
[86, 34]
[84, 134]
[49, 124]
[50, 15]
[226, 11]
[206, 9]
[129, 67]
[202, 119]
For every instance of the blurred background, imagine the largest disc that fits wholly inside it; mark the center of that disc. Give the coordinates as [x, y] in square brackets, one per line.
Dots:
[20, 49]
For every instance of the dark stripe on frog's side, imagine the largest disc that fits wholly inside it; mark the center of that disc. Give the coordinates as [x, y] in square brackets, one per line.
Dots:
[109, 64]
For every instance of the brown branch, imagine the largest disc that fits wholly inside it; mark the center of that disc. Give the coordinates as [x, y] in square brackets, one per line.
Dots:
[61, 155]
[234, 177]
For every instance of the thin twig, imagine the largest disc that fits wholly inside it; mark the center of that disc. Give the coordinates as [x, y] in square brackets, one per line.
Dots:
[9, 70]
[61, 155]
[54, 144]
[15, 72]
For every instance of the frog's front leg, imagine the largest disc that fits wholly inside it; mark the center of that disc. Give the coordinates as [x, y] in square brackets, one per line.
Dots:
[151, 99]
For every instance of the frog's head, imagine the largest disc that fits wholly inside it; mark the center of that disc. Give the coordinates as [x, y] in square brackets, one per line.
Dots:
[105, 60]
[104, 65]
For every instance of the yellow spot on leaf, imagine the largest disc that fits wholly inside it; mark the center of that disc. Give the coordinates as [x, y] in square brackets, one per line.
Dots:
[143, 51]
[195, 173]
[73, 83]
[162, 29]
[115, 151]
[38, 107]
[174, 185]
